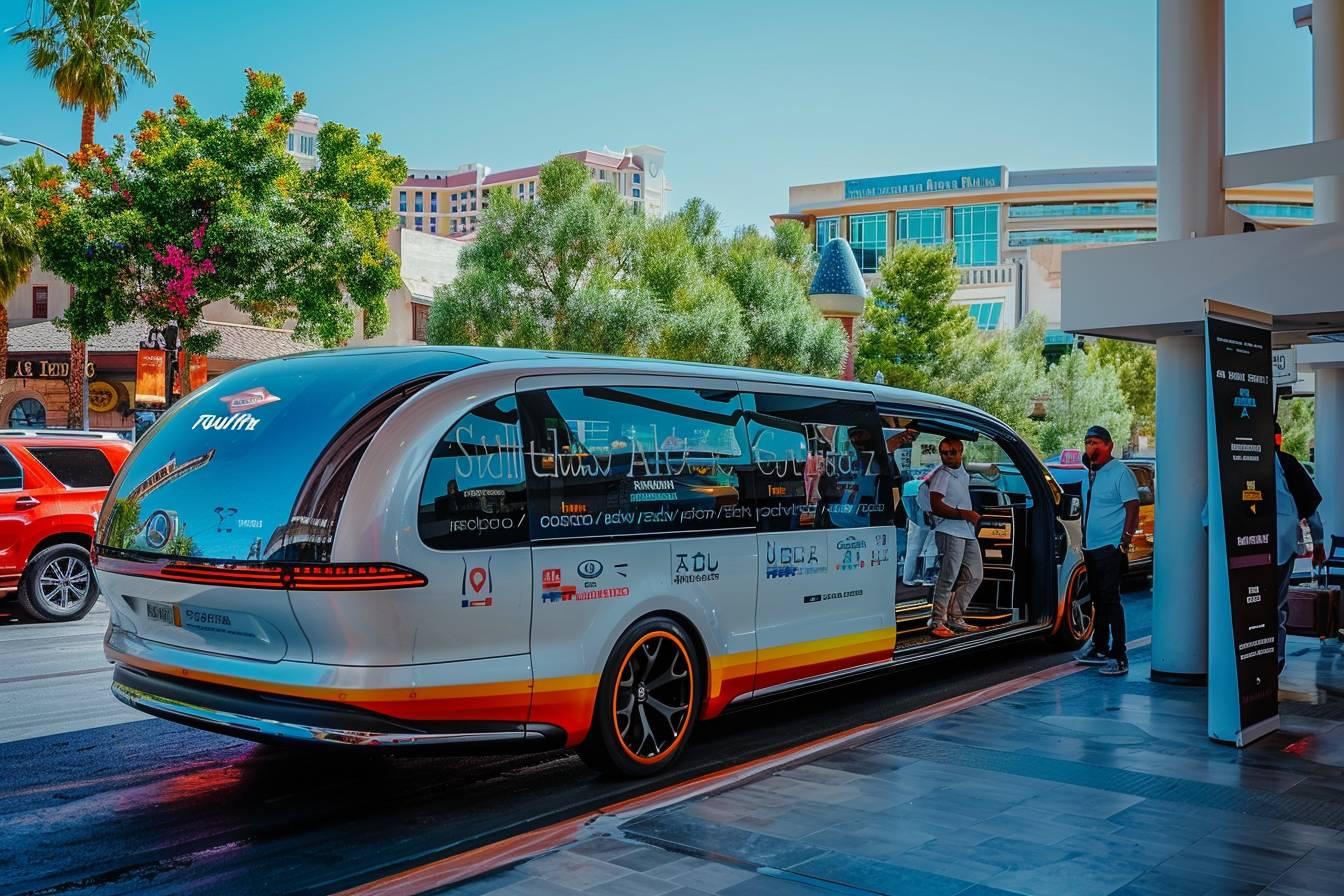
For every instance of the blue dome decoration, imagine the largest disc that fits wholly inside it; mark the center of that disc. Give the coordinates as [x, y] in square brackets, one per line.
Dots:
[838, 273]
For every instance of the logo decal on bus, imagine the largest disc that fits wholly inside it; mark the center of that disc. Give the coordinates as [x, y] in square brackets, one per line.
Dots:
[590, 569]
[248, 399]
[479, 579]
[158, 529]
[691, 569]
[851, 556]
[784, 561]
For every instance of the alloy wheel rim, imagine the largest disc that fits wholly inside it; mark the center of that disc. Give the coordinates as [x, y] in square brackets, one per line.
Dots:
[1080, 611]
[653, 698]
[63, 585]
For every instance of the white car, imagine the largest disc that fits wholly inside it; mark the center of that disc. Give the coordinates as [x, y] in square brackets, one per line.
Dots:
[494, 549]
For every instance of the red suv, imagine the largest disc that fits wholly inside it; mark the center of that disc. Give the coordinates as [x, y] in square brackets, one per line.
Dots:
[52, 485]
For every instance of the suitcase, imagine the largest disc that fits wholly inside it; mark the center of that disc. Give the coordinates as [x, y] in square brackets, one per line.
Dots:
[1313, 612]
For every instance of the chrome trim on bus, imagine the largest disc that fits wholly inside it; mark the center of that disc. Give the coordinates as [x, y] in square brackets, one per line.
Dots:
[251, 726]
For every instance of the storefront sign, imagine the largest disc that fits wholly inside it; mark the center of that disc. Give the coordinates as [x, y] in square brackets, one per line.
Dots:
[1243, 612]
[103, 396]
[44, 370]
[927, 182]
[150, 376]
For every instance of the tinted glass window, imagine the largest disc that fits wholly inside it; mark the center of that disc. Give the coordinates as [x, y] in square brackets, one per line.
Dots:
[76, 467]
[475, 492]
[1144, 476]
[821, 463]
[626, 461]
[11, 474]
[219, 474]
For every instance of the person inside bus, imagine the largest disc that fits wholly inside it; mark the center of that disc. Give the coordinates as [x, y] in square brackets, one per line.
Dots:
[955, 534]
[918, 535]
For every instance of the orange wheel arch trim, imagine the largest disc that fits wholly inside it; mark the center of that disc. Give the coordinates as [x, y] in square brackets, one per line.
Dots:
[690, 707]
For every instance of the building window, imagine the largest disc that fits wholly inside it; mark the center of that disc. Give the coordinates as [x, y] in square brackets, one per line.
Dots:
[433, 225]
[868, 239]
[453, 197]
[419, 322]
[40, 301]
[923, 226]
[434, 202]
[403, 202]
[636, 192]
[1136, 208]
[419, 223]
[1292, 210]
[419, 202]
[289, 143]
[636, 176]
[403, 221]
[827, 230]
[28, 414]
[602, 174]
[975, 230]
[986, 314]
[1023, 238]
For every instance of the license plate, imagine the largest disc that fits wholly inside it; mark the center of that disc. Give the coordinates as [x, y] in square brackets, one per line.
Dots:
[159, 612]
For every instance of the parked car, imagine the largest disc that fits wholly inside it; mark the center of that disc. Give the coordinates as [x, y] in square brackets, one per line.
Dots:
[1070, 476]
[52, 486]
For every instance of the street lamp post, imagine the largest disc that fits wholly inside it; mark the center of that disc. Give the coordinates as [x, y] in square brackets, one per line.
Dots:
[6, 140]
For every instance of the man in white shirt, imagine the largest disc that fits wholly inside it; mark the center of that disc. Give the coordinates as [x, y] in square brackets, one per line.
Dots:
[963, 568]
[1110, 515]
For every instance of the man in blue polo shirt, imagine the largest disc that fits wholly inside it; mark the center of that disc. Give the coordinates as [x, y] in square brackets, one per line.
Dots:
[1110, 516]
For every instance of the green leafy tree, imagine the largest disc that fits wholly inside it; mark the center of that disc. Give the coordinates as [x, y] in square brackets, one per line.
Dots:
[541, 274]
[910, 326]
[20, 192]
[1001, 373]
[579, 270]
[90, 49]
[784, 331]
[1083, 391]
[123, 523]
[1136, 365]
[204, 209]
[1297, 419]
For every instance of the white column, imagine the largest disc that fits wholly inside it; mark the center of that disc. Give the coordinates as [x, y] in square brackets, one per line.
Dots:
[1189, 118]
[1327, 76]
[1190, 102]
[1180, 573]
[1330, 447]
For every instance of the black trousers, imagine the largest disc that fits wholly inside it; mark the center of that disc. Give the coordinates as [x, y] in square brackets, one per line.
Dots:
[1105, 567]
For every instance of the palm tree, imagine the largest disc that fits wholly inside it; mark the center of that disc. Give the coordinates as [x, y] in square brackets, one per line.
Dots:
[18, 236]
[89, 48]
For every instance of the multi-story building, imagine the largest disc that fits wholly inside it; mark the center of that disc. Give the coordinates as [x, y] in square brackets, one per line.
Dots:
[1010, 228]
[450, 202]
[301, 142]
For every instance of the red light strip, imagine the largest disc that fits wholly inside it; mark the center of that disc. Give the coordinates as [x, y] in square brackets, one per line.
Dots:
[305, 577]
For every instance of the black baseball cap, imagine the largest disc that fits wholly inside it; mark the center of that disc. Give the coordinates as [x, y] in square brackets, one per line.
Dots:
[1098, 432]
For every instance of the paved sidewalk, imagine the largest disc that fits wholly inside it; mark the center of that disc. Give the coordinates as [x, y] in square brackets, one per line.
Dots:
[54, 679]
[1079, 786]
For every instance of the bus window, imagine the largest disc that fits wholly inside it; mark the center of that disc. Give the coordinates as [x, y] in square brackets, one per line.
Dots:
[820, 464]
[606, 461]
[474, 494]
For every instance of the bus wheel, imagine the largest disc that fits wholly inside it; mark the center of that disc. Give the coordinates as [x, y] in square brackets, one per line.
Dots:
[647, 701]
[1080, 614]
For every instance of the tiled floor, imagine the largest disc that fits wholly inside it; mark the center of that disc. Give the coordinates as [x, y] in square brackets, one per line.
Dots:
[1083, 786]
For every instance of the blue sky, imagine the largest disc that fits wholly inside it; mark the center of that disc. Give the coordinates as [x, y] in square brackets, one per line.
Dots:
[746, 97]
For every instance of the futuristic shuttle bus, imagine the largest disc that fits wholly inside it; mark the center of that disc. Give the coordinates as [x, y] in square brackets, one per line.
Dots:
[490, 549]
